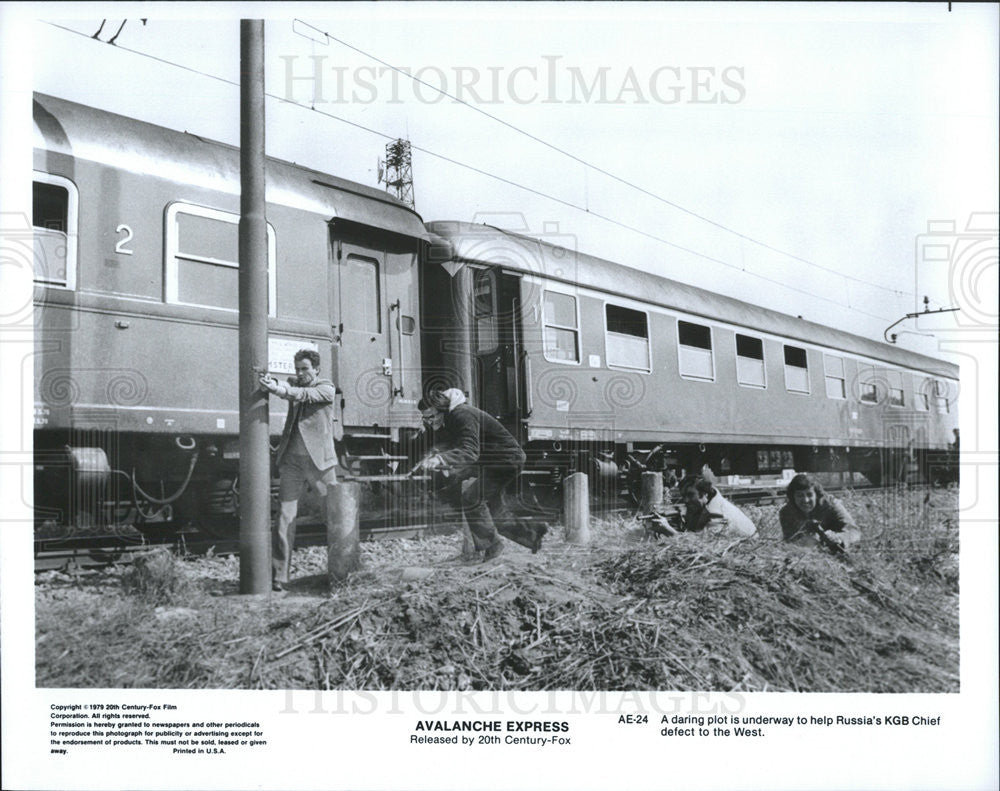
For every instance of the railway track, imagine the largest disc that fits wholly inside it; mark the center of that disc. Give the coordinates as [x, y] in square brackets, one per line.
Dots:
[77, 552]
[93, 551]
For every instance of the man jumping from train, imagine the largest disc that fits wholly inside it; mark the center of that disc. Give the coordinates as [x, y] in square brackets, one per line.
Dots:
[480, 449]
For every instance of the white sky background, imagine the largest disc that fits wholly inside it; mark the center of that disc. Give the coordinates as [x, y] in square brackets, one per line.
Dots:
[852, 127]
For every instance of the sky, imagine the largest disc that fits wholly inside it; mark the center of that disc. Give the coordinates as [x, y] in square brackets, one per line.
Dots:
[788, 155]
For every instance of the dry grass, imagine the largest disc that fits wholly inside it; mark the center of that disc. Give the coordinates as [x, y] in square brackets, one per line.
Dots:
[158, 577]
[625, 612]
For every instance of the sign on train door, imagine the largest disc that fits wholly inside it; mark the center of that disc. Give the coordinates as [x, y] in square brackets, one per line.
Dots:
[496, 346]
[362, 336]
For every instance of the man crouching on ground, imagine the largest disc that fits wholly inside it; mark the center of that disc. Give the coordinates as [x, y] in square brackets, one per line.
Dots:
[306, 454]
[479, 448]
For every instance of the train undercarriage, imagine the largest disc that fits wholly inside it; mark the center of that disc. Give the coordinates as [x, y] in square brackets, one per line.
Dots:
[101, 483]
[90, 482]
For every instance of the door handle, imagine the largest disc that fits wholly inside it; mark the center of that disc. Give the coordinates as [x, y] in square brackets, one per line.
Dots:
[387, 369]
[527, 384]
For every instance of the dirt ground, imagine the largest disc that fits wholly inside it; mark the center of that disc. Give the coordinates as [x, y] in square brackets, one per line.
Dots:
[627, 611]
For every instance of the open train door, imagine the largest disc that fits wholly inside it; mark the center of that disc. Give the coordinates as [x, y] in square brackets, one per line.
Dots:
[497, 346]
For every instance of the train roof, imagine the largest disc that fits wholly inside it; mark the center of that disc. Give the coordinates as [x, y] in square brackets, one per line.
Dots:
[87, 133]
[487, 244]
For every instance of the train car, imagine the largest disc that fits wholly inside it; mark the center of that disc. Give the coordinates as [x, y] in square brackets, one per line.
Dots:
[613, 370]
[136, 323]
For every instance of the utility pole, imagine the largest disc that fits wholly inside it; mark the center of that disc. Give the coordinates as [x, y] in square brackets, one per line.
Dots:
[255, 451]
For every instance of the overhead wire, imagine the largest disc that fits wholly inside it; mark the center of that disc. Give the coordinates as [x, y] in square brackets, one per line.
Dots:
[496, 177]
[597, 168]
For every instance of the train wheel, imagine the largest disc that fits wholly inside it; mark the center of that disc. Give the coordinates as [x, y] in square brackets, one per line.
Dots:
[632, 473]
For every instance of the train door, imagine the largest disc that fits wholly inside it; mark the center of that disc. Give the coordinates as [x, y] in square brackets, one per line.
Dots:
[496, 345]
[362, 335]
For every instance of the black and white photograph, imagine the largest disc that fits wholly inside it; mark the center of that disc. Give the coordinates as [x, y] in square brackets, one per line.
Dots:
[529, 388]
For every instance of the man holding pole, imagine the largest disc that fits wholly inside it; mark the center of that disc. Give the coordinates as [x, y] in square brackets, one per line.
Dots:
[306, 454]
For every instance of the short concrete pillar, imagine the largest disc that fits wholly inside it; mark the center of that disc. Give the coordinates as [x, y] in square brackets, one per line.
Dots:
[343, 519]
[651, 494]
[576, 508]
[468, 545]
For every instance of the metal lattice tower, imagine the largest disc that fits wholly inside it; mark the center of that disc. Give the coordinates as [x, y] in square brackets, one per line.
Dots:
[396, 171]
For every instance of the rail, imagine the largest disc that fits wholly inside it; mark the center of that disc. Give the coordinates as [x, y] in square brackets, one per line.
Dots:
[72, 553]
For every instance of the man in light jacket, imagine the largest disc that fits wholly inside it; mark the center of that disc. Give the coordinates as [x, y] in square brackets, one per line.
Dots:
[306, 454]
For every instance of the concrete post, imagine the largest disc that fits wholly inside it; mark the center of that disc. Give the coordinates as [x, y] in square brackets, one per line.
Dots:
[651, 496]
[342, 531]
[576, 508]
[468, 545]
[255, 453]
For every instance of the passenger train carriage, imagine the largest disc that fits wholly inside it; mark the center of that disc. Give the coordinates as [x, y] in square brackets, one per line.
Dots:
[621, 369]
[593, 365]
[137, 323]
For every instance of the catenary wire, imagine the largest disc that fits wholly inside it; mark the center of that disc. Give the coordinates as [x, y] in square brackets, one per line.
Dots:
[601, 170]
[480, 171]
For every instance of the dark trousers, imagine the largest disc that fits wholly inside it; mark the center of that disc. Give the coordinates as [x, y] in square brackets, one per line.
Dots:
[480, 496]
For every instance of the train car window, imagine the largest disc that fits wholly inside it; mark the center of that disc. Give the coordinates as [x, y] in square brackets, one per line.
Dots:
[202, 258]
[750, 361]
[939, 396]
[796, 370]
[207, 239]
[627, 338]
[561, 328]
[836, 382]
[485, 308]
[921, 398]
[364, 277]
[896, 396]
[408, 325]
[54, 207]
[695, 351]
[932, 393]
[867, 384]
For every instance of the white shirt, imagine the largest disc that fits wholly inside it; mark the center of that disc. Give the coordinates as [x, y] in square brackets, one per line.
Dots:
[734, 522]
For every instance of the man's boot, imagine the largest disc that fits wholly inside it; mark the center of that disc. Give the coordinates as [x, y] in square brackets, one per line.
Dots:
[493, 550]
